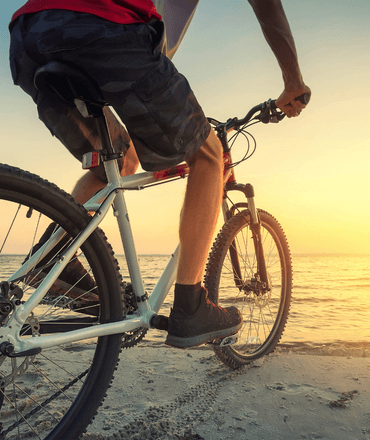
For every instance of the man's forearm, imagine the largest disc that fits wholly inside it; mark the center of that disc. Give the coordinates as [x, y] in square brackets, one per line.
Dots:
[276, 29]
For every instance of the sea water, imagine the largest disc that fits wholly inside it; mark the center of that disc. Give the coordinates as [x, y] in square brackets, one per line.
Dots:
[330, 304]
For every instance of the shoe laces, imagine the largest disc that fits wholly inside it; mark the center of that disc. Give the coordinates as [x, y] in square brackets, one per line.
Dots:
[214, 305]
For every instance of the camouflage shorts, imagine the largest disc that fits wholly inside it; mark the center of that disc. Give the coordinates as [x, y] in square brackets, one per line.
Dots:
[154, 101]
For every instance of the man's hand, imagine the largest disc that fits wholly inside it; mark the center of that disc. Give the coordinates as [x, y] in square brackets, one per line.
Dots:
[287, 102]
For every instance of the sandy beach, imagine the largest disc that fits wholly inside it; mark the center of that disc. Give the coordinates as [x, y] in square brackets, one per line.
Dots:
[169, 394]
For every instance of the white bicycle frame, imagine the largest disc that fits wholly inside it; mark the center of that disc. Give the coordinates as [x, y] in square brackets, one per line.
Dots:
[147, 307]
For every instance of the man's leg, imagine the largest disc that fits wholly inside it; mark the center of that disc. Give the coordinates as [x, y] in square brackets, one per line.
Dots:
[194, 320]
[84, 189]
[88, 184]
[200, 210]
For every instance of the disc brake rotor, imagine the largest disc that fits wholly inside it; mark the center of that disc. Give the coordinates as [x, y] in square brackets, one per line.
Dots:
[18, 370]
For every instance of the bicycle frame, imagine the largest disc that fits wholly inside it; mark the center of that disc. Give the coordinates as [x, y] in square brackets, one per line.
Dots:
[147, 306]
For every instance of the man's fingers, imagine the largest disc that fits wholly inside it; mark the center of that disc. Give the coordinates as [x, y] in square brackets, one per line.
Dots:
[288, 103]
[297, 107]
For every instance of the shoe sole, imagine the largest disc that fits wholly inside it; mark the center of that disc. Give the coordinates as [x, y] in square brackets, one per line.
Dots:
[60, 288]
[88, 301]
[175, 341]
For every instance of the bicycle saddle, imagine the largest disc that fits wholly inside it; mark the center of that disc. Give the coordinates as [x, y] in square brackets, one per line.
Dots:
[72, 85]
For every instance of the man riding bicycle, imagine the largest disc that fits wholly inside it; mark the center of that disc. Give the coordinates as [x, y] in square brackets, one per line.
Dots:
[126, 48]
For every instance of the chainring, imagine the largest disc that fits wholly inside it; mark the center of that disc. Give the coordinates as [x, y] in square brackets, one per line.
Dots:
[130, 339]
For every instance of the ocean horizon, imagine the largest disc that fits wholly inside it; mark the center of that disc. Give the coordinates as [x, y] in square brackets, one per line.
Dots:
[330, 300]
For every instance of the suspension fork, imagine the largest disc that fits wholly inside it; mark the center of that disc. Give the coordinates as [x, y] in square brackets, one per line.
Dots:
[229, 177]
[255, 226]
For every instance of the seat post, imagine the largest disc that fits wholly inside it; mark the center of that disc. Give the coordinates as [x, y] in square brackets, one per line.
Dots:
[104, 135]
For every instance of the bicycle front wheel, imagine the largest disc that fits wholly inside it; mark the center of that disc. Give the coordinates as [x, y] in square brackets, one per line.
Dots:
[55, 394]
[232, 279]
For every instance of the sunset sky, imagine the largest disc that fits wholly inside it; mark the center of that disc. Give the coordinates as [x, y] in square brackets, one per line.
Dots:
[311, 172]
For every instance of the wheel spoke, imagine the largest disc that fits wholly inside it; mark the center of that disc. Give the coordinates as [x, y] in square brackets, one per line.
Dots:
[10, 228]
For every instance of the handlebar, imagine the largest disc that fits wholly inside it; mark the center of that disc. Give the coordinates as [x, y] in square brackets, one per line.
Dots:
[268, 113]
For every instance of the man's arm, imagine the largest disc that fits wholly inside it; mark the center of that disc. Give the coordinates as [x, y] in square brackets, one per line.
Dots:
[275, 27]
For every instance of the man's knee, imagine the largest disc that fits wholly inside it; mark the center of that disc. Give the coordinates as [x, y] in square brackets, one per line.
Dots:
[131, 161]
[209, 154]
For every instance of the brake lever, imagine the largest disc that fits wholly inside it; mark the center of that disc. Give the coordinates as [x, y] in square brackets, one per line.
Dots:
[264, 115]
[276, 116]
[270, 114]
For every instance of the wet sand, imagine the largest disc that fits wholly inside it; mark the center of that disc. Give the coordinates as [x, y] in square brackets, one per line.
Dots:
[169, 394]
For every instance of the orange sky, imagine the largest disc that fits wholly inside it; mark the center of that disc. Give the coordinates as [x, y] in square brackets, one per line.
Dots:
[311, 173]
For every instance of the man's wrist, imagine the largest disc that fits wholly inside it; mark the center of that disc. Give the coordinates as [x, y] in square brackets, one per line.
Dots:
[292, 81]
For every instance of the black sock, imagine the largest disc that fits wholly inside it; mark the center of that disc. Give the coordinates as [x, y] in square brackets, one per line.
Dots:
[187, 297]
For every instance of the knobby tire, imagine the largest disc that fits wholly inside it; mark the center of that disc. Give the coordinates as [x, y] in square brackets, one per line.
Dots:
[265, 313]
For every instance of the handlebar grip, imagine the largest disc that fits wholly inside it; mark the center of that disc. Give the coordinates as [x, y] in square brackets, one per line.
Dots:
[304, 99]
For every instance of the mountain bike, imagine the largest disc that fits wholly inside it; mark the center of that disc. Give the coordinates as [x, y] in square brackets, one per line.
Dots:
[41, 315]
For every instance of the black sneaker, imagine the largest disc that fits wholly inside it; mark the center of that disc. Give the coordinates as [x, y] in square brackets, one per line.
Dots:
[209, 322]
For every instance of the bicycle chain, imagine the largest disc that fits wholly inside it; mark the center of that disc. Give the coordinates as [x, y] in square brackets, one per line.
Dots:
[129, 339]
[35, 327]
[42, 405]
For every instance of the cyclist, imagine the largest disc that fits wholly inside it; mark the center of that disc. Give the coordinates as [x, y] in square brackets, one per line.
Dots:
[123, 44]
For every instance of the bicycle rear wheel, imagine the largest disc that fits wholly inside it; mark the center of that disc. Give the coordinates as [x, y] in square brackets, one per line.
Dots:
[55, 394]
[232, 279]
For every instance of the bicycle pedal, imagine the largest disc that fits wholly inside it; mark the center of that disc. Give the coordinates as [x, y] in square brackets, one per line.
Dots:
[225, 342]
[159, 322]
